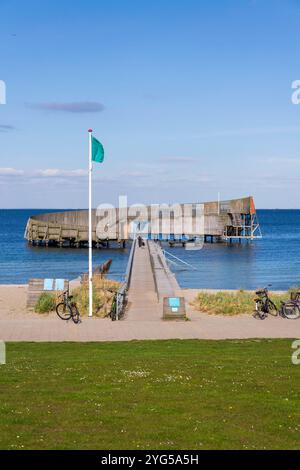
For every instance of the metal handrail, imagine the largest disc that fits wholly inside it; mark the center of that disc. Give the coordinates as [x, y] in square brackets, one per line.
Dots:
[122, 291]
[252, 228]
[166, 253]
[129, 264]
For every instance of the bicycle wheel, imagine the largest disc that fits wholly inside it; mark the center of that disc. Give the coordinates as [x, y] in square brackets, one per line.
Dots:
[259, 316]
[113, 311]
[290, 311]
[63, 311]
[75, 314]
[272, 309]
[259, 313]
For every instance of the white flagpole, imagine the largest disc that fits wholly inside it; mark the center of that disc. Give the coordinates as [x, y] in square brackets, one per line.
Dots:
[90, 228]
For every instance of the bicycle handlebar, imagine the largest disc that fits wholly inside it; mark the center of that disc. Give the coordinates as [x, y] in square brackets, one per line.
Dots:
[63, 294]
[265, 290]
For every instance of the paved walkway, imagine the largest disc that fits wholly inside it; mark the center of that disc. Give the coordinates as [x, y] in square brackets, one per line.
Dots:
[200, 326]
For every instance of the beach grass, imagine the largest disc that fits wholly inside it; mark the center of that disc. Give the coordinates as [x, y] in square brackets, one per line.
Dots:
[103, 294]
[46, 303]
[192, 394]
[231, 303]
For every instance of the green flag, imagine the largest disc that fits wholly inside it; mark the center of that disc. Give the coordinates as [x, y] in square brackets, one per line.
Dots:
[97, 151]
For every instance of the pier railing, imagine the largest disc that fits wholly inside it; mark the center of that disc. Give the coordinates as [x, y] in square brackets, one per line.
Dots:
[122, 292]
[164, 279]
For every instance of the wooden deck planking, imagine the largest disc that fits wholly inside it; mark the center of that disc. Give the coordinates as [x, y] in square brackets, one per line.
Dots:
[142, 298]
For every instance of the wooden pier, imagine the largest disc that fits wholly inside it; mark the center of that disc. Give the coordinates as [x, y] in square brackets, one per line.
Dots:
[222, 221]
[151, 281]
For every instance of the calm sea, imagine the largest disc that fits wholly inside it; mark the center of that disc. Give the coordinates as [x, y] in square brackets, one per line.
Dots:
[20, 261]
[273, 260]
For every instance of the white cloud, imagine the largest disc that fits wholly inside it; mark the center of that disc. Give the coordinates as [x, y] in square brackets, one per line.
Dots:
[178, 159]
[75, 107]
[59, 173]
[10, 172]
[284, 160]
[134, 174]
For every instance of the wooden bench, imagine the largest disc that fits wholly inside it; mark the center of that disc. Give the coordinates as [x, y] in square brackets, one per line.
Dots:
[36, 287]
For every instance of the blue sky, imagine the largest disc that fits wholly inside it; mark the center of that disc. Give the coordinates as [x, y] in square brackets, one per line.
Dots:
[189, 98]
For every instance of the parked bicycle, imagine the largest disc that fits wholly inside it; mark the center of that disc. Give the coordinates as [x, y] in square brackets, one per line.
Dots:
[67, 308]
[291, 309]
[113, 309]
[264, 306]
[114, 305]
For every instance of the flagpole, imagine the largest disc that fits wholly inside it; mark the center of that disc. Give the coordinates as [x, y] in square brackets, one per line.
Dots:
[90, 228]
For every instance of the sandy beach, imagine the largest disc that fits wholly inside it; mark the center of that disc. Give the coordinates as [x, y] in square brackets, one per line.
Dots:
[13, 301]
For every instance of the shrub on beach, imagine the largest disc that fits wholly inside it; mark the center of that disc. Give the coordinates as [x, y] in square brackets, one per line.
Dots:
[230, 303]
[103, 293]
[46, 303]
[293, 290]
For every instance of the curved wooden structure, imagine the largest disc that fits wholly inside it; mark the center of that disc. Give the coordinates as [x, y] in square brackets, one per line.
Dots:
[230, 219]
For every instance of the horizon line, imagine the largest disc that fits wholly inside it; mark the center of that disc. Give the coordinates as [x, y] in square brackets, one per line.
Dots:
[86, 208]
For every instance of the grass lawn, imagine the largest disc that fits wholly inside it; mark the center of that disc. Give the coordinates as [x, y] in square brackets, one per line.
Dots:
[150, 395]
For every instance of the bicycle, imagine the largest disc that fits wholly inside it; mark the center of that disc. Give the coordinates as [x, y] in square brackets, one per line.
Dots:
[264, 305]
[113, 309]
[291, 309]
[67, 309]
[114, 305]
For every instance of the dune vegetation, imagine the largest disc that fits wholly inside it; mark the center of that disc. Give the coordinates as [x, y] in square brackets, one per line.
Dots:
[230, 303]
[103, 294]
